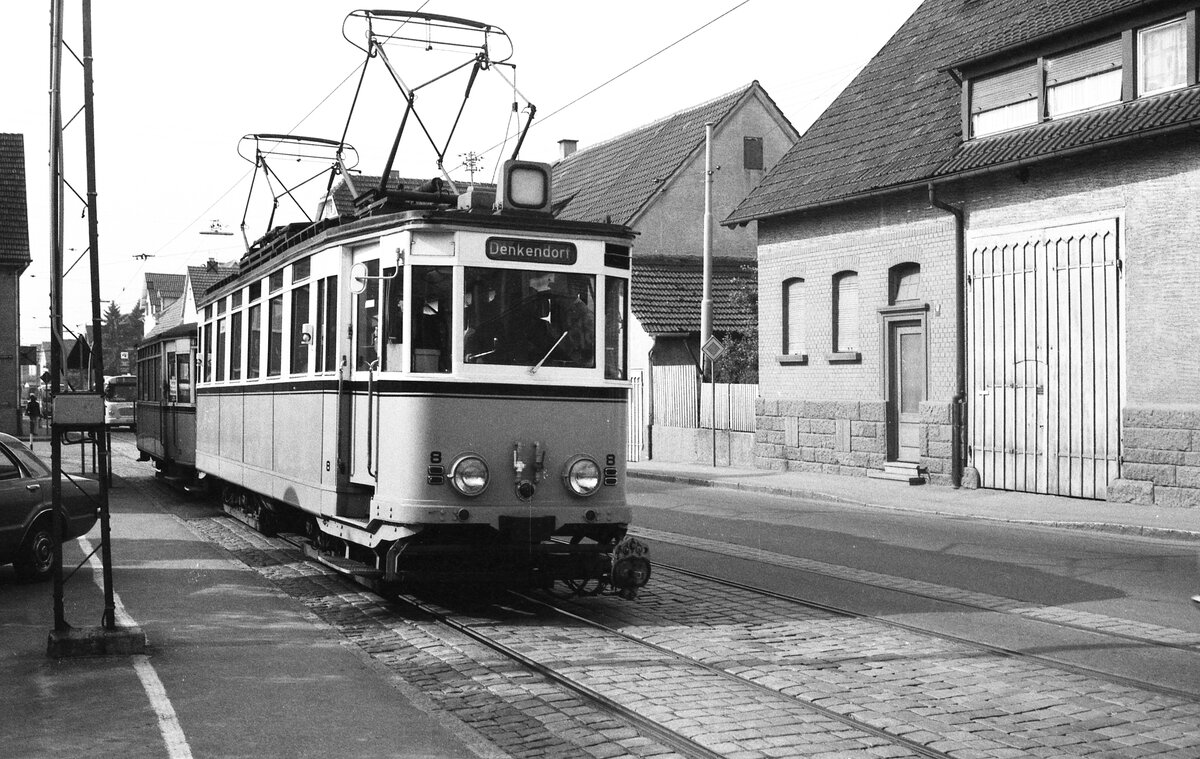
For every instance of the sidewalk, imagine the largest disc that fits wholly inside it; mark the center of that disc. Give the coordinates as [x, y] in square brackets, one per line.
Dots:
[1045, 510]
[233, 666]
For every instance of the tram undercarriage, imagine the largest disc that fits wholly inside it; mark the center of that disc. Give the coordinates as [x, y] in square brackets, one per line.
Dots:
[524, 553]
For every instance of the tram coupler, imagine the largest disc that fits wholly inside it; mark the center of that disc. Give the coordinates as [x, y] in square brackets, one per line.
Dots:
[630, 568]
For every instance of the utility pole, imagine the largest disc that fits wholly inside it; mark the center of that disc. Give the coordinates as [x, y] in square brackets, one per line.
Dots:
[76, 411]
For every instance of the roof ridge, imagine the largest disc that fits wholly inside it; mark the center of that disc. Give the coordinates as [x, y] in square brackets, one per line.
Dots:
[659, 123]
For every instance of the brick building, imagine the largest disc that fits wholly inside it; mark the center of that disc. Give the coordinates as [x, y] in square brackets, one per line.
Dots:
[978, 263]
[14, 259]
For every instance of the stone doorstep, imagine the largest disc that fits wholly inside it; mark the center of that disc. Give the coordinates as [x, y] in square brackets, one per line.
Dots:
[900, 471]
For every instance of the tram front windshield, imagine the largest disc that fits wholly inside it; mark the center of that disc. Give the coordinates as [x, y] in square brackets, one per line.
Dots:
[519, 317]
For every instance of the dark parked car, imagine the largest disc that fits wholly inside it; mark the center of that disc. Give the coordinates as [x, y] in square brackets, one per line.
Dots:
[26, 515]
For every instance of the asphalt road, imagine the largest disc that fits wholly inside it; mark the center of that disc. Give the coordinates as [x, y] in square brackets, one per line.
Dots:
[1053, 592]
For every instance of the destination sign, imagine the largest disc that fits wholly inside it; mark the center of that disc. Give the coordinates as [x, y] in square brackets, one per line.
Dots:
[531, 251]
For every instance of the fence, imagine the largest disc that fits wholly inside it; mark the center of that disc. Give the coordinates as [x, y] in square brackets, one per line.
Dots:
[681, 400]
[734, 409]
[636, 428]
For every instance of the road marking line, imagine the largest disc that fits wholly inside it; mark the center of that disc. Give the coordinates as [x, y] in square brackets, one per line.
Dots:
[168, 721]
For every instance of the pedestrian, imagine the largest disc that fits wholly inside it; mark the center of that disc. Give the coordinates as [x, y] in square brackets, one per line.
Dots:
[33, 410]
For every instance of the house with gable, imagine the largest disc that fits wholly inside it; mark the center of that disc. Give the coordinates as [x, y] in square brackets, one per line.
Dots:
[977, 266]
[158, 293]
[14, 259]
[652, 179]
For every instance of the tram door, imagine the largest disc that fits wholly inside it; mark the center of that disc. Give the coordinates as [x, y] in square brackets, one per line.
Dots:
[364, 363]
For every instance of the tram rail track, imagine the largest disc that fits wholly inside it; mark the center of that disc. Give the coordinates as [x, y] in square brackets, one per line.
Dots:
[992, 649]
[1087, 622]
[684, 744]
[558, 654]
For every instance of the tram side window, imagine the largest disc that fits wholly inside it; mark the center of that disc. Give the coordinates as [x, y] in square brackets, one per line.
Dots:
[300, 339]
[616, 311]
[366, 320]
[529, 318]
[221, 342]
[393, 319]
[275, 336]
[326, 329]
[235, 346]
[206, 361]
[183, 378]
[431, 299]
[253, 340]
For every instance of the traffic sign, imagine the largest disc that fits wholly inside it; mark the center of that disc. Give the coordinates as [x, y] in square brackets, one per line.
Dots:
[713, 348]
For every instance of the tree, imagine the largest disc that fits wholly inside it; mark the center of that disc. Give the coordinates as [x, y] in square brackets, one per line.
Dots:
[739, 363]
[121, 335]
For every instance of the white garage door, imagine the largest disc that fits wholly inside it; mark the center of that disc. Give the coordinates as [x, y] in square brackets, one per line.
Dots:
[1044, 378]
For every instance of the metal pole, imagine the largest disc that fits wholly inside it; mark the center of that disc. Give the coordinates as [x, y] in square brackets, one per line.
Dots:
[56, 273]
[706, 299]
[101, 445]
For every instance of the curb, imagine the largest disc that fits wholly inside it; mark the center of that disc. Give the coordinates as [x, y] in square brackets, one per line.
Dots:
[1112, 528]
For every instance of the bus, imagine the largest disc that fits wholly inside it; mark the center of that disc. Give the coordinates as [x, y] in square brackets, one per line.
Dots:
[120, 392]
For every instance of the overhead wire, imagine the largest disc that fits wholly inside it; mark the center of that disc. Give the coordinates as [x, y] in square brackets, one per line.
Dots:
[354, 71]
[635, 66]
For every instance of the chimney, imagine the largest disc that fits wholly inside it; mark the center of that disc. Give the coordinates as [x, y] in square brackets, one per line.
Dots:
[212, 264]
[566, 148]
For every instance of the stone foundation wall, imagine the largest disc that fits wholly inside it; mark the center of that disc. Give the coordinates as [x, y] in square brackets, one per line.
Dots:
[844, 437]
[1160, 457]
[689, 445]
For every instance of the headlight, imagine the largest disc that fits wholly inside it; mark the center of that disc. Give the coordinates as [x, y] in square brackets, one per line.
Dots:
[582, 476]
[469, 475]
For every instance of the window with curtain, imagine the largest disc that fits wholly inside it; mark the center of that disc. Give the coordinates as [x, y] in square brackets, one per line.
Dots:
[845, 311]
[1004, 101]
[1162, 57]
[1083, 79]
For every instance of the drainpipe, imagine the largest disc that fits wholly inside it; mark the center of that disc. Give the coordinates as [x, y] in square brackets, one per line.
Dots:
[957, 448]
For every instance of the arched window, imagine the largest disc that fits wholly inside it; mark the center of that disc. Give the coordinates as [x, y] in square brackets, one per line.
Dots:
[845, 312]
[793, 316]
[904, 283]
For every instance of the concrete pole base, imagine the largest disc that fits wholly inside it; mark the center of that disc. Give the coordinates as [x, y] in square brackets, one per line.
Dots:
[96, 641]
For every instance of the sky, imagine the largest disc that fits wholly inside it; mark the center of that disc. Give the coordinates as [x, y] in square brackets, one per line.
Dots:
[178, 85]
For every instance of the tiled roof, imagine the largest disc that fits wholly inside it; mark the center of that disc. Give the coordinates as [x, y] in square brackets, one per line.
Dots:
[169, 319]
[204, 277]
[14, 215]
[899, 121]
[667, 291]
[1091, 129]
[164, 287]
[614, 180]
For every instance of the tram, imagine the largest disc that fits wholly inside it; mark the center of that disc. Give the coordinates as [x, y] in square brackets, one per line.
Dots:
[165, 410]
[431, 387]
